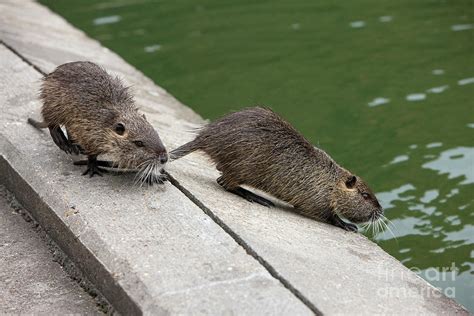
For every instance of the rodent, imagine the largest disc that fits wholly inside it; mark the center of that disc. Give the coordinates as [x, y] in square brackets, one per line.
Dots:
[100, 117]
[257, 148]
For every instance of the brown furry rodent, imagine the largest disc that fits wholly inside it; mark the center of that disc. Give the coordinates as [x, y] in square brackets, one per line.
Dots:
[100, 117]
[256, 147]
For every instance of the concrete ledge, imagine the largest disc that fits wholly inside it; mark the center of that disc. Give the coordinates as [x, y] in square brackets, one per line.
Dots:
[187, 247]
[339, 272]
[34, 200]
[148, 250]
[184, 277]
[32, 280]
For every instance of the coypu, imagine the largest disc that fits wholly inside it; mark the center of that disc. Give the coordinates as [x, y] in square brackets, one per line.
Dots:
[257, 148]
[100, 117]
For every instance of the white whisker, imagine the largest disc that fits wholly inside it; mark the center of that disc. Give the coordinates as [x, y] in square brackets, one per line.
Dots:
[148, 172]
[387, 226]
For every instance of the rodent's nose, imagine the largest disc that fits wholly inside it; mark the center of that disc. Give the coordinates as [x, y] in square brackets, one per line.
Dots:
[163, 158]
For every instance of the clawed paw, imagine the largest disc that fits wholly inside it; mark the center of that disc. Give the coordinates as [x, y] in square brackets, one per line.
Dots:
[350, 227]
[161, 179]
[92, 170]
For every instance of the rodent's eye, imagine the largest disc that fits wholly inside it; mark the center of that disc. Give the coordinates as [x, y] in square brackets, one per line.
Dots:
[139, 143]
[119, 128]
[365, 195]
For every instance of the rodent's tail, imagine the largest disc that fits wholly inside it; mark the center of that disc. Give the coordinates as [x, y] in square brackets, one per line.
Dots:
[37, 124]
[184, 150]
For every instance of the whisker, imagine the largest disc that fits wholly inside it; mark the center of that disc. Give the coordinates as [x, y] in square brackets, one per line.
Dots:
[379, 227]
[388, 227]
[373, 225]
[139, 177]
[148, 172]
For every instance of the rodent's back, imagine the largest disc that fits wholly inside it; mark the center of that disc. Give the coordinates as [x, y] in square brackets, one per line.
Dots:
[258, 148]
[82, 91]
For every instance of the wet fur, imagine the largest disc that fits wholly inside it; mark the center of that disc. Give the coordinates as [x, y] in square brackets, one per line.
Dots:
[88, 102]
[256, 147]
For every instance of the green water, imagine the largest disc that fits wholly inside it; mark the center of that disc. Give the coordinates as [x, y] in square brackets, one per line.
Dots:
[356, 77]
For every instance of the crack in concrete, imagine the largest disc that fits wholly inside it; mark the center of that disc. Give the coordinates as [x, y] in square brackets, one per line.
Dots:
[273, 272]
[23, 58]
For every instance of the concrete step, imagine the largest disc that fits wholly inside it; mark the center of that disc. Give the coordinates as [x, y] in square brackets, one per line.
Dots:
[32, 282]
[187, 247]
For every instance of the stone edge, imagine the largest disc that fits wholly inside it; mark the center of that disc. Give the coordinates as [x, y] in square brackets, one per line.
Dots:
[40, 204]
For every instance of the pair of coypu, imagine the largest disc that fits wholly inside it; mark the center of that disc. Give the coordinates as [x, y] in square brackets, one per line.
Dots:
[253, 147]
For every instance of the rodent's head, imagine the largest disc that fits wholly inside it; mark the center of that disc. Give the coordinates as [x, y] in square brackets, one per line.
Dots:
[354, 200]
[136, 144]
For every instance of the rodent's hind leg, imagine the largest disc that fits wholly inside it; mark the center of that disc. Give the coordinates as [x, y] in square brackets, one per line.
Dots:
[246, 194]
[75, 147]
[252, 197]
[60, 139]
[93, 167]
[337, 221]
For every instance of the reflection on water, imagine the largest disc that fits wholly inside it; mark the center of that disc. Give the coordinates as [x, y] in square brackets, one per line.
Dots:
[436, 218]
[399, 159]
[357, 24]
[462, 27]
[456, 162]
[385, 18]
[434, 145]
[370, 81]
[429, 196]
[423, 208]
[107, 20]
[416, 97]
[387, 198]
[466, 234]
[438, 89]
[152, 48]
[466, 81]
[422, 96]
[403, 227]
[295, 26]
[378, 101]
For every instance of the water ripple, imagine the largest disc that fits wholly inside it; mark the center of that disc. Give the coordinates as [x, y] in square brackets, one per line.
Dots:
[107, 19]
[438, 89]
[466, 81]
[385, 18]
[461, 27]
[416, 97]
[357, 24]
[378, 101]
[455, 162]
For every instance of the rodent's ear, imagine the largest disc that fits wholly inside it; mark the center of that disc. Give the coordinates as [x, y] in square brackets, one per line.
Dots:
[351, 181]
[119, 128]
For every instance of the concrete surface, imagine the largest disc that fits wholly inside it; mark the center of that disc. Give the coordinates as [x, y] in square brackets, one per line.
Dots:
[156, 244]
[31, 282]
[338, 271]
[187, 247]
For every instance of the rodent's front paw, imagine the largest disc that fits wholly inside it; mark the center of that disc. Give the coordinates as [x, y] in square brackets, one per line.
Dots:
[162, 179]
[157, 179]
[350, 227]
